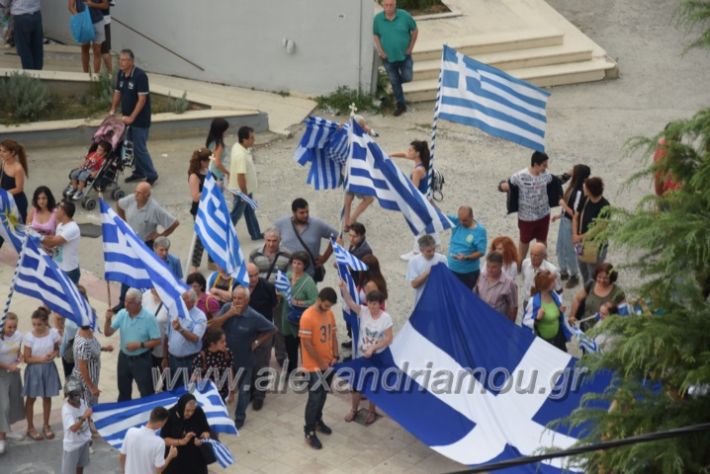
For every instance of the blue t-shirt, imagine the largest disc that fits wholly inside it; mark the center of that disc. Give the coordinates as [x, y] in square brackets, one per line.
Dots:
[466, 240]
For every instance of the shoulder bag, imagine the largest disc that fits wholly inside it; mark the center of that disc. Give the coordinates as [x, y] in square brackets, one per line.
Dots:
[587, 251]
[318, 272]
[294, 313]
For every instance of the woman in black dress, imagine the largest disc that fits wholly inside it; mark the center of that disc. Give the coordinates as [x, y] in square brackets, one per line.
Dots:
[13, 173]
[185, 428]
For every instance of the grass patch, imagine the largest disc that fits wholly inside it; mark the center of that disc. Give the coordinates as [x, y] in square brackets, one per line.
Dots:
[422, 7]
[340, 100]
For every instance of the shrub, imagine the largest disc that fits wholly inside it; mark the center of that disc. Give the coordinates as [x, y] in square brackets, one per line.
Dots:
[23, 98]
[341, 99]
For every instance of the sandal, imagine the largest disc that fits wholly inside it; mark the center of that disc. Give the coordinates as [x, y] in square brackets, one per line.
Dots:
[351, 415]
[48, 433]
[371, 417]
[32, 433]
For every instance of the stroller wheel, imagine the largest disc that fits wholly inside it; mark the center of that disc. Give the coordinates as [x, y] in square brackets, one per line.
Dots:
[117, 194]
[89, 204]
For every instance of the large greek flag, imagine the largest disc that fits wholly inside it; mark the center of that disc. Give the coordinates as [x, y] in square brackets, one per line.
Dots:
[475, 94]
[372, 173]
[128, 260]
[112, 420]
[40, 277]
[473, 386]
[323, 147]
[214, 228]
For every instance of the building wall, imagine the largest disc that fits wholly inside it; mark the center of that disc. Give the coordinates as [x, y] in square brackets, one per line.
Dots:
[241, 42]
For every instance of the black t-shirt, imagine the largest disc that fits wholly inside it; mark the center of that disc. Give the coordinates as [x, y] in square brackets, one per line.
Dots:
[263, 299]
[130, 87]
[573, 200]
[589, 213]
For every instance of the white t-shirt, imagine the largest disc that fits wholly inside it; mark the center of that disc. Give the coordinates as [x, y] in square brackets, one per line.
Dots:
[10, 348]
[418, 265]
[67, 254]
[70, 415]
[149, 304]
[533, 203]
[42, 345]
[144, 451]
[372, 330]
[529, 276]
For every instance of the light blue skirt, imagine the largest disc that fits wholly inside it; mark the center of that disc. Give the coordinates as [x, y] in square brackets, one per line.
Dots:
[42, 380]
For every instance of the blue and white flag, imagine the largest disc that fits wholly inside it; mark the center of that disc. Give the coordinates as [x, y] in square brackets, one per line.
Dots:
[40, 277]
[283, 285]
[213, 225]
[249, 201]
[128, 260]
[11, 226]
[345, 257]
[372, 173]
[345, 261]
[471, 385]
[481, 96]
[323, 147]
[221, 452]
[112, 420]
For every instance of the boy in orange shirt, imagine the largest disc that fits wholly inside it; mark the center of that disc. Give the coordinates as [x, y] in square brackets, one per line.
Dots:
[319, 351]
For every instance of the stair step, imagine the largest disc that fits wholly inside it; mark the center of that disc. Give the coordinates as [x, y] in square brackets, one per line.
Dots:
[512, 60]
[490, 43]
[544, 76]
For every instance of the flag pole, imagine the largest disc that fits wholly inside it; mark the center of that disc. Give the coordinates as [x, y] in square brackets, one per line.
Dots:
[190, 251]
[434, 124]
[353, 109]
[11, 293]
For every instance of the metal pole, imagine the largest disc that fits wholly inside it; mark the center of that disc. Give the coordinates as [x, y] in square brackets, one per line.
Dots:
[434, 124]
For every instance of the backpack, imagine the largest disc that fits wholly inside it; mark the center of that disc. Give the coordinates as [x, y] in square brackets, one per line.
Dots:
[437, 185]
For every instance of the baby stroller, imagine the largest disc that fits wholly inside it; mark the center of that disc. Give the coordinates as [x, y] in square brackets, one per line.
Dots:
[112, 130]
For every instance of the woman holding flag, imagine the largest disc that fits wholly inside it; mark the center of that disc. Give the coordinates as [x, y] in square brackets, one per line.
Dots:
[196, 174]
[303, 294]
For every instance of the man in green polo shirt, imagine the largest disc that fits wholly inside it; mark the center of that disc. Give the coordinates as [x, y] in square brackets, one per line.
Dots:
[395, 33]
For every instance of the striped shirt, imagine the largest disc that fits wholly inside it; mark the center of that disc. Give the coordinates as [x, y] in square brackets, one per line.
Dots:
[89, 350]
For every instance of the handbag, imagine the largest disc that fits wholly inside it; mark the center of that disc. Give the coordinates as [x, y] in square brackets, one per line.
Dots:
[318, 272]
[207, 452]
[294, 314]
[82, 28]
[587, 251]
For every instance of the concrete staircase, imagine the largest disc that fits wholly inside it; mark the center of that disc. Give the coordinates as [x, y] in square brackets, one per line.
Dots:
[547, 50]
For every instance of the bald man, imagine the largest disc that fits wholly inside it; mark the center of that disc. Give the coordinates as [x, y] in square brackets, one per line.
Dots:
[467, 246]
[144, 215]
[532, 265]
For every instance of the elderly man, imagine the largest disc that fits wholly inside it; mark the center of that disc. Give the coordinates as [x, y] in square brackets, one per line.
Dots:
[144, 215]
[395, 33]
[497, 289]
[302, 232]
[65, 241]
[246, 330]
[139, 335]
[161, 247]
[184, 338]
[419, 267]
[133, 93]
[532, 266]
[263, 299]
[467, 246]
[242, 177]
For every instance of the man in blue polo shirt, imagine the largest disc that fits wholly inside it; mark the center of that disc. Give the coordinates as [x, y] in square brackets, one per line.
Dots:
[133, 93]
[467, 246]
[395, 33]
[139, 335]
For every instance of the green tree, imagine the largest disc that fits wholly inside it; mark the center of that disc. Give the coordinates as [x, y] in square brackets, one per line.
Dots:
[661, 359]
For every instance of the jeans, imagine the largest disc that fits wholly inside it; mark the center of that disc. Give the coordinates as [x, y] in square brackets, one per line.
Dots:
[399, 72]
[143, 162]
[566, 256]
[29, 40]
[468, 279]
[318, 387]
[178, 364]
[292, 343]
[240, 207]
[587, 269]
[262, 357]
[243, 388]
[74, 275]
[138, 368]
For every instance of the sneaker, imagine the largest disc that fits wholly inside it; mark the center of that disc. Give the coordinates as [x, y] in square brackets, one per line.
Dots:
[313, 441]
[323, 428]
[2, 446]
[133, 178]
[564, 275]
[408, 256]
[347, 345]
[572, 282]
[399, 110]
[78, 195]
[257, 404]
[152, 180]
[15, 436]
[69, 190]
[239, 424]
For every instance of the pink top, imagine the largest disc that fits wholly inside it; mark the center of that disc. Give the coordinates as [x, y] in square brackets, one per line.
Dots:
[48, 227]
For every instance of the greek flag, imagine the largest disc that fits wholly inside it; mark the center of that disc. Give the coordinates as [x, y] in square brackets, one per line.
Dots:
[128, 260]
[588, 343]
[213, 226]
[221, 452]
[471, 385]
[283, 285]
[112, 420]
[11, 226]
[39, 277]
[250, 202]
[372, 173]
[323, 147]
[345, 261]
[478, 95]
